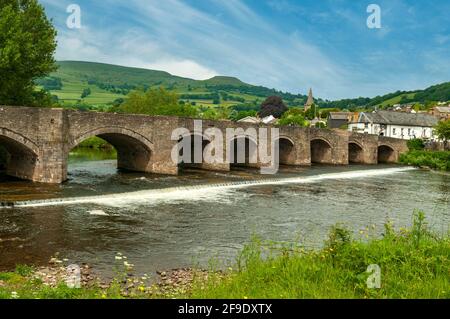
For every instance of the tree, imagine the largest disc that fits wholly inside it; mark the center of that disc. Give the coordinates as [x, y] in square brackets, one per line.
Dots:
[236, 116]
[442, 130]
[293, 117]
[156, 102]
[86, 93]
[27, 46]
[273, 105]
[312, 113]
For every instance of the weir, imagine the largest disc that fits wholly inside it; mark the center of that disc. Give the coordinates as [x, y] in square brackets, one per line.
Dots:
[38, 142]
[200, 192]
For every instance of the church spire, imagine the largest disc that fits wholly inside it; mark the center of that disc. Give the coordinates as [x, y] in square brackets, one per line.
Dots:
[310, 100]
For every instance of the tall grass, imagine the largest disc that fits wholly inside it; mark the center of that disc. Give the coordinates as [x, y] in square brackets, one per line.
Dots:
[434, 160]
[414, 263]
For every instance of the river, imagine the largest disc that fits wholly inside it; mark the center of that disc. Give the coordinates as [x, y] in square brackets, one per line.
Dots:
[165, 222]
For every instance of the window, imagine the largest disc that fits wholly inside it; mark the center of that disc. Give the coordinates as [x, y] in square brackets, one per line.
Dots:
[409, 131]
[366, 125]
[394, 131]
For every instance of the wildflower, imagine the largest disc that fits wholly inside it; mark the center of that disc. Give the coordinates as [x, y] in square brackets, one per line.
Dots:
[118, 258]
[14, 295]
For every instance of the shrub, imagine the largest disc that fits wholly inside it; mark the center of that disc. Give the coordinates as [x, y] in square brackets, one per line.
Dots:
[416, 144]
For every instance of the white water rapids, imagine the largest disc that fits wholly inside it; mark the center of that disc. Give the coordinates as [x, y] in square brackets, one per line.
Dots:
[206, 192]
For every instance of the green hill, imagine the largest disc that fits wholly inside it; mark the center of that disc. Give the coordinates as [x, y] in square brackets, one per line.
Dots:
[103, 84]
[426, 98]
[100, 85]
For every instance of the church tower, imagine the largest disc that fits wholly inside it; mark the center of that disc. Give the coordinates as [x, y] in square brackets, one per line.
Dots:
[310, 100]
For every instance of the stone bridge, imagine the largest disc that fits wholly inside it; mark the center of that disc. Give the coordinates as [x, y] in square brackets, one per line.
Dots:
[38, 142]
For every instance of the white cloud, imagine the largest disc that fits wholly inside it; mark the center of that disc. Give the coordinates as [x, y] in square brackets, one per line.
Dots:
[183, 68]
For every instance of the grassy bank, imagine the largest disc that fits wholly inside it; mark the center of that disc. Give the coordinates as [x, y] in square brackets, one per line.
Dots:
[434, 160]
[414, 263]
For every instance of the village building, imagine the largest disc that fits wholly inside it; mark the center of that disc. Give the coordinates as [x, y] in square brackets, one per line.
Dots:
[441, 112]
[250, 119]
[341, 119]
[268, 120]
[395, 124]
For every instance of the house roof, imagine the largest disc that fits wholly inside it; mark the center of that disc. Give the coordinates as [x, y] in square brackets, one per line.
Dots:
[269, 119]
[250, 119]
[340, 115]
[443, 109]
[399, 118]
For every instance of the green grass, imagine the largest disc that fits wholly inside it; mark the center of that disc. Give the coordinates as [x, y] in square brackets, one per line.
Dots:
[414, 263]
[434, 160]
[396, 99]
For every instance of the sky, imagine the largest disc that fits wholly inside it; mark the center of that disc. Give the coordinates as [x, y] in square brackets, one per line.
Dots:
[289, 45]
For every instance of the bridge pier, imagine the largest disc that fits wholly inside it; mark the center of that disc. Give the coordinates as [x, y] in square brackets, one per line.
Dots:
[363, 149]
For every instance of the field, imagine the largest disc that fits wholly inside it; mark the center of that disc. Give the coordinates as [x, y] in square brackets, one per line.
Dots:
[396, 100]
[108, 83]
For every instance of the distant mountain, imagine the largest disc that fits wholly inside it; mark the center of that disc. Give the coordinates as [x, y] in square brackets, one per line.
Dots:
[102, 84]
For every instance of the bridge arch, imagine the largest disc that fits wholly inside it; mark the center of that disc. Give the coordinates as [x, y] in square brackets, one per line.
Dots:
[387, 154]
[355, 152]
[134, 151]
[287, 150]
[243, 151]
[321, 151]
[21, 155]
[193, 161]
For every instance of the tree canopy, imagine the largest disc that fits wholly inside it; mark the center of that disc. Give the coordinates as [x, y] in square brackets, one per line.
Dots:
[293, 117]
[27, 46]
[156, 102]
[442, 130]
[273, 105]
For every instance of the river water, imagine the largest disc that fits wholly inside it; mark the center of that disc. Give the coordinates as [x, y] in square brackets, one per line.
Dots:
[165, 222]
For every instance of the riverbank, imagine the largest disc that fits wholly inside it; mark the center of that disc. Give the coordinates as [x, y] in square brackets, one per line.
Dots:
[432, 159]
[413, 263]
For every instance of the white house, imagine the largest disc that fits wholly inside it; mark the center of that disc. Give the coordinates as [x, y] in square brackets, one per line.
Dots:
[395, 124]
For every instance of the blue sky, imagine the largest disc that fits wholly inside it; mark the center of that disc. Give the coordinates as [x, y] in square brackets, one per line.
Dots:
[290, 45]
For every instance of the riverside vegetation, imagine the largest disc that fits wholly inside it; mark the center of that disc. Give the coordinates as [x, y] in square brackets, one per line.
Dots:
[422, 158]
[414, 262]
